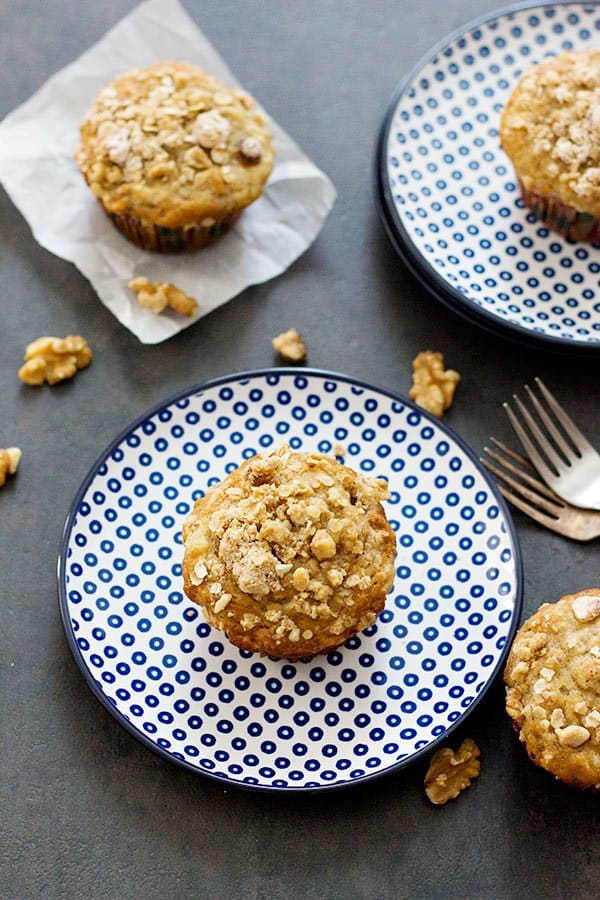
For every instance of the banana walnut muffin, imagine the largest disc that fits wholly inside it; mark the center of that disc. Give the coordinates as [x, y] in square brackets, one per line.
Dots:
[550, 130]
[291, 554]
[553, 681]
[173, 155]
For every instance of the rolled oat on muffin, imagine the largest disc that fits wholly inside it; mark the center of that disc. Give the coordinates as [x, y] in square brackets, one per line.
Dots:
[173, 155]
[291, 554]
[553, 687]
[550, 129]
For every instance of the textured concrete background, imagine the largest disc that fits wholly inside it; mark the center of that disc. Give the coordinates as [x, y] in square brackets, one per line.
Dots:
[89, 813]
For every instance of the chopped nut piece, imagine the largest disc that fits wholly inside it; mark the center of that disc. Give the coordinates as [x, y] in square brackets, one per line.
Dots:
[572, 735]
[210, 129]
[156, 297]
[9, 462]
[54, 359]
[251, 149]
[433, 386]
[449, 773]
[586, 608]
[290, 345]
[222, 602]
[199, 573]
[339, 450]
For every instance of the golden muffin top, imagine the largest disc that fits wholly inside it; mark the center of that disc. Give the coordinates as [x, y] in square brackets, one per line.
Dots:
[553, 679]
[550, 129]
[171, 145]
[291, 553]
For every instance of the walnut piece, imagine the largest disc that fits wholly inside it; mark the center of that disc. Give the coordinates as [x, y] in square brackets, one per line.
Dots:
[251, 149]
[449, 773]
[9, 462]
[156, 297]
[433, 386]
[54, 359]
[586, 608]
[290, 346]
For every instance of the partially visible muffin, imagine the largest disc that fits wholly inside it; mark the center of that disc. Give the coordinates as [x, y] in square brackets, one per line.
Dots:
[291, 554]
[173, 155]
[550, 129]
[553, 680]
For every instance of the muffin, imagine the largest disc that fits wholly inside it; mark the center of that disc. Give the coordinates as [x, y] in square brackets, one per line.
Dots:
[550, 129]
[291, 554]
[553, 681]
[173, 155]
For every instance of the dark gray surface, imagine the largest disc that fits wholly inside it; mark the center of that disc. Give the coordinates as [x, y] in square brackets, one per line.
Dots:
[89, 813]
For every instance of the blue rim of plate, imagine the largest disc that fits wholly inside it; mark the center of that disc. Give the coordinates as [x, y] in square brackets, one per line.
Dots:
[400, 239]
[238, 377]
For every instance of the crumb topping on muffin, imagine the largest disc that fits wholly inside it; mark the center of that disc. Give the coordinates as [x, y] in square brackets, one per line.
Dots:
[551, 128]
[291, 547]
[169, 142]
[553, 679]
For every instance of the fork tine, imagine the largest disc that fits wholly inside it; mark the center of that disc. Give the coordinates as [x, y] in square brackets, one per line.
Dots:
[542, 441]
[529, 447]
[522, 460]
[553, 509]
[581, 442]
[568, 453]
[546, 521]
[535, 483]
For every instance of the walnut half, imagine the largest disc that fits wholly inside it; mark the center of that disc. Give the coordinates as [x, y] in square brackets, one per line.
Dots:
[433, 386]
[54, 359]
[449, 773]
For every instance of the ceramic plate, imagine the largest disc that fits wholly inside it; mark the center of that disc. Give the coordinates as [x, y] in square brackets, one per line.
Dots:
[375, 704]
[448, 194]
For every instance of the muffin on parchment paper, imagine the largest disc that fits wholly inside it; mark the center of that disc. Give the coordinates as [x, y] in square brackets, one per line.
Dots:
[291, 554]
[553, 681]
[173, 155]
[550, 129]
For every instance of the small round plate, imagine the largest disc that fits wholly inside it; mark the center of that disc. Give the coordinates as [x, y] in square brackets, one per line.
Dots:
[447, 192]
[377, 703]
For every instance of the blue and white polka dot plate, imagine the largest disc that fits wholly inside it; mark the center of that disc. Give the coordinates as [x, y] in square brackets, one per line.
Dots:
[380, 701]
[448, 195]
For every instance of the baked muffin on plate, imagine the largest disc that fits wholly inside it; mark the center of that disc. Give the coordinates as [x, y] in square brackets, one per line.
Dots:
[550, 129]
[553, 687]
[291, 554]
[173, 155]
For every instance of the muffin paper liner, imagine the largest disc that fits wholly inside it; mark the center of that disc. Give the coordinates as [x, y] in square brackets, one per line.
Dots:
[170, 240]
[561, 217]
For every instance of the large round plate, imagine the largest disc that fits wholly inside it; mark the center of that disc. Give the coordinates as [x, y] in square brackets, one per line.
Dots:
[447, 192]
[380, 701]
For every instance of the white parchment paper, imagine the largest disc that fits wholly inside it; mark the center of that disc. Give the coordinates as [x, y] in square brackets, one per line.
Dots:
[37, 142]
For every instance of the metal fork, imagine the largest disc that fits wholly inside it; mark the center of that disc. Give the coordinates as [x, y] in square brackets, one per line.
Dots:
[535, 499]
[568, 463]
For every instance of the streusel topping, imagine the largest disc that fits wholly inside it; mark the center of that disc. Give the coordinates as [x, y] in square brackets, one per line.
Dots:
[551, 128]
[553, 678]
[297, 538]
[170, 139]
